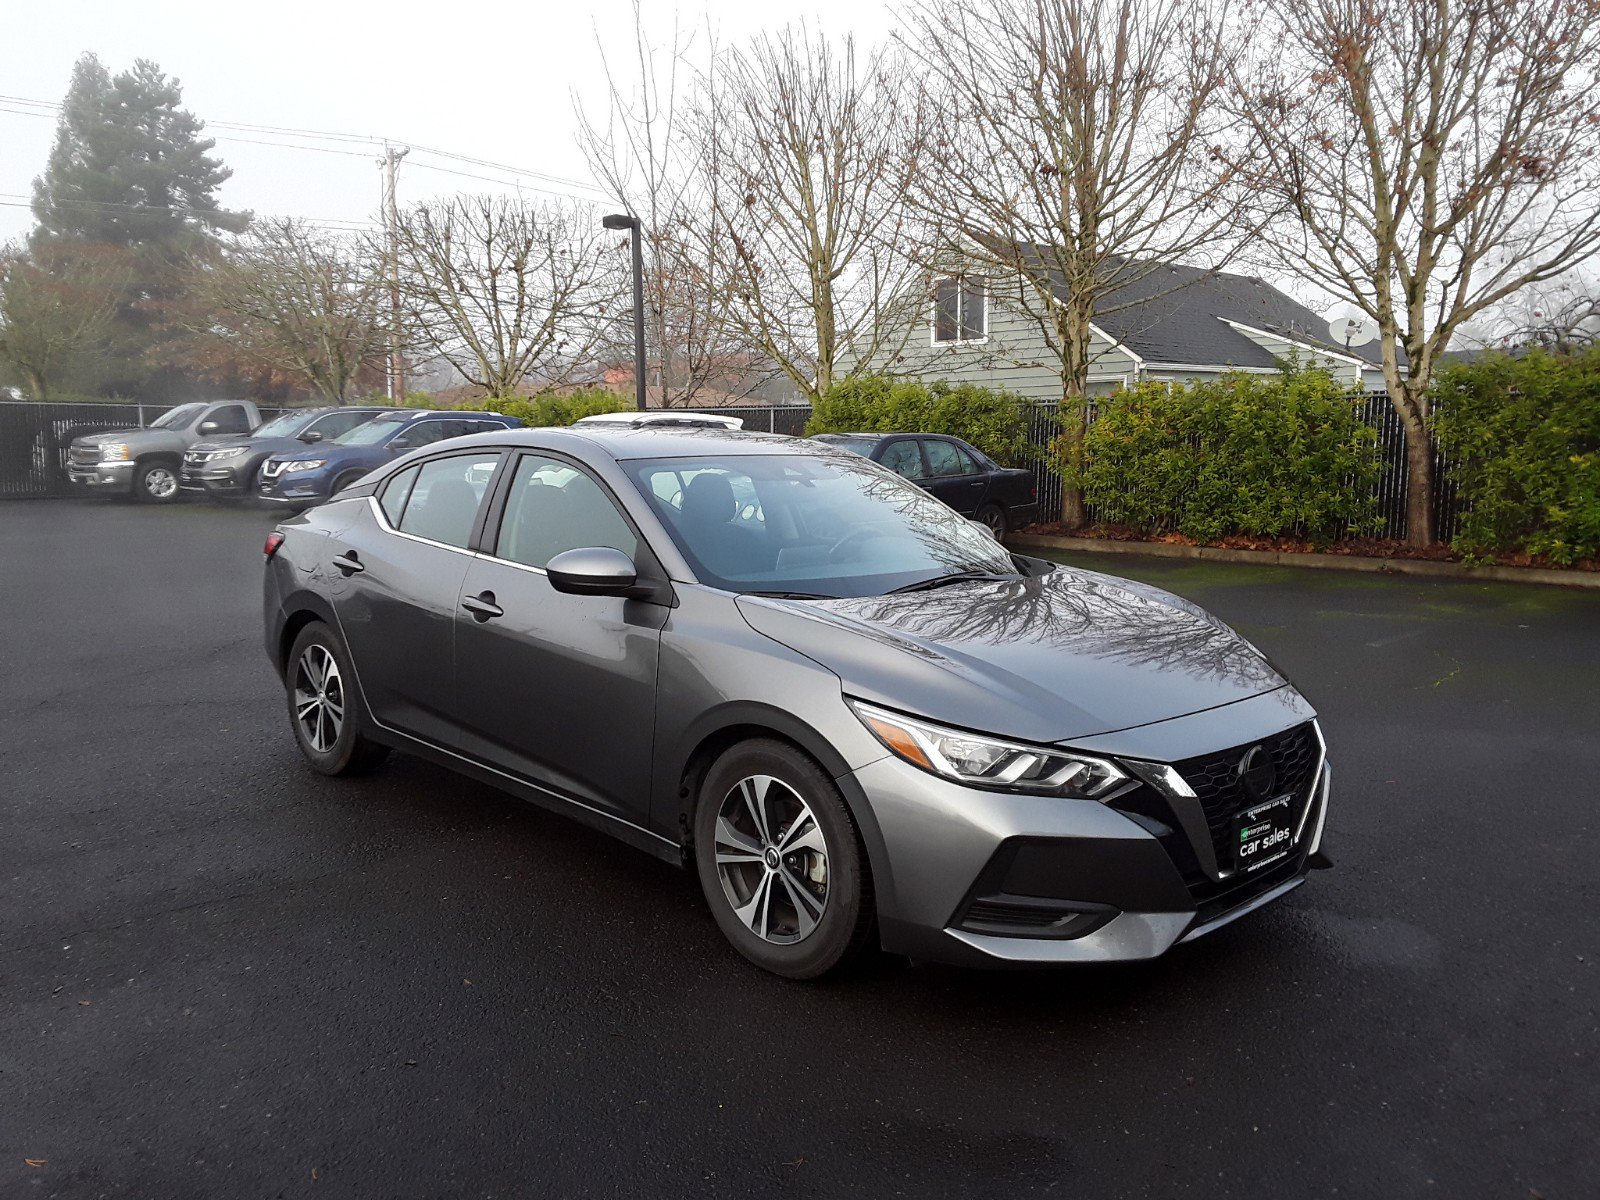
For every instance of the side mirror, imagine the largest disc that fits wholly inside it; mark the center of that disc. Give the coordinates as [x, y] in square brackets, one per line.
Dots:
[207, 427]
[310, 436]
[592, 571]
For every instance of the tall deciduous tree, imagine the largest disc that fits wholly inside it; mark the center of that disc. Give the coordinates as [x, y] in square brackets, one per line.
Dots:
[292, 299]
[502, 288]
[643, 151]
[807, 151]
[1073, 138]
[1437, 156]
[58, 312]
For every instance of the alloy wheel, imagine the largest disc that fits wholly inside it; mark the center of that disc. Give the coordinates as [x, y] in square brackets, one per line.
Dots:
[772, 859]
[318, 698]
[161, 483]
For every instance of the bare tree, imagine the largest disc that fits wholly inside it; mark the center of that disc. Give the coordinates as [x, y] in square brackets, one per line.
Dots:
[1071, 158]
[807, 152]
[59, 306]
[294, 299]
[1437, 156]
[501, 288]
[643, 152]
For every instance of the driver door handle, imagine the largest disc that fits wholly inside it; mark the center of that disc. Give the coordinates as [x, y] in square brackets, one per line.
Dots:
[348, 563]
[482, 606]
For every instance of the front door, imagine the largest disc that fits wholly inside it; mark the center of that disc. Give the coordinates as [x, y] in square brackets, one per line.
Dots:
[396, 581]
[553, 688]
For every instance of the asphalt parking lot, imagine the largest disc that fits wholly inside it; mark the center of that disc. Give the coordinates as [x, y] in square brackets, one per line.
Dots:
[224, 976]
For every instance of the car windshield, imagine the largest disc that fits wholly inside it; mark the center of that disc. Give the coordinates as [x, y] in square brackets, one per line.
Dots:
[810, 524]
[284, 424]
[376, 430]
[855, 445]
[177, 418]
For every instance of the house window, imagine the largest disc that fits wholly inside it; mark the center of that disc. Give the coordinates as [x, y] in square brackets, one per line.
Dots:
[960, 311]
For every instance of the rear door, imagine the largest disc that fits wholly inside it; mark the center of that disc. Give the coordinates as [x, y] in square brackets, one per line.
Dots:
[553, 688]
[395, 575]
[954, 475]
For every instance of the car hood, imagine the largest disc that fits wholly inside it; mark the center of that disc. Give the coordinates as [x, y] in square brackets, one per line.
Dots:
[1066, 655]
[109, 435]
[222, 443]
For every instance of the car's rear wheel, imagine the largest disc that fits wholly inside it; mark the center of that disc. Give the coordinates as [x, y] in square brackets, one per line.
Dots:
[780, 861]
[155, 483]
[995, 518]
[323, 707]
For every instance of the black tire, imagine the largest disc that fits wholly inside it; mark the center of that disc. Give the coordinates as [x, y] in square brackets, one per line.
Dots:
[996, 519]
[341, 751]
[844, 929]
[155, 483]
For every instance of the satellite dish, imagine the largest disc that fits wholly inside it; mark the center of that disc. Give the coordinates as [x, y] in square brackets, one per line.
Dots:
[1349, 326]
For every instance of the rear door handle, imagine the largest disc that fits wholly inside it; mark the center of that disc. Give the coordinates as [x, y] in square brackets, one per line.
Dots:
[482, 606]
[348, 563]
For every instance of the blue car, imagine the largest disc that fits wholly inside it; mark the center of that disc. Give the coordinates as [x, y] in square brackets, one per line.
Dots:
[318, 472]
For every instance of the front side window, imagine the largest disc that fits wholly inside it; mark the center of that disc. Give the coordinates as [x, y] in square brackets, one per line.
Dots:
[832, 526]
[230, 418]
[960, 311]
[552, 507]
[443, 502]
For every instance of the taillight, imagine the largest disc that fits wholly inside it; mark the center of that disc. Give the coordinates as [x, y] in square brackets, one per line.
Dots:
[274, 540]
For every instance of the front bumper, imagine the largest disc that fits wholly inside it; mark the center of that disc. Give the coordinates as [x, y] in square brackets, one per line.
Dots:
[215, 481]
[983, 878]
[300, 488]
[101, 477]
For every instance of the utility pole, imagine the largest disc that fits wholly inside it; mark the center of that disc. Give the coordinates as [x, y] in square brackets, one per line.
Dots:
[390, 165]
[635, 235]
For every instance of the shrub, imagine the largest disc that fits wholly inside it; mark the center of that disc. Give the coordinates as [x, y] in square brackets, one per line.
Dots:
[1524, 437]
[548, 409]
[1245, 454]
[994, 422]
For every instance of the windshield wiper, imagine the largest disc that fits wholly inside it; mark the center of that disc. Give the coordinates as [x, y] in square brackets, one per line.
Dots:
[790, 595]
[923, 585]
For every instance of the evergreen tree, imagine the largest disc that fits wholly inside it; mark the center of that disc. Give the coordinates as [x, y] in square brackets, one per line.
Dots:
[130, 167]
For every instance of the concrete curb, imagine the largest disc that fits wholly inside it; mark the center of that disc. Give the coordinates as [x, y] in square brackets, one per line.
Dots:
[1318, 562]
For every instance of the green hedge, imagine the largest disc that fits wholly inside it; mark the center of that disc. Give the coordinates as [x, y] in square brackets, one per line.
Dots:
[1245, 454]
[1524, 436]
[994, 422]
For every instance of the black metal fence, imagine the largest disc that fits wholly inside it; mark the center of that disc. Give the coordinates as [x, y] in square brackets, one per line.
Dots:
[34, 440]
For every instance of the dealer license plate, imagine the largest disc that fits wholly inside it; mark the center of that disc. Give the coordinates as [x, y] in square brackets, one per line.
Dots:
[1263, 834]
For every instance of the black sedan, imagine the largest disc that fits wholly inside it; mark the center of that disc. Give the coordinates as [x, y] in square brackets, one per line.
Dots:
[1003, 498]
[227, 466]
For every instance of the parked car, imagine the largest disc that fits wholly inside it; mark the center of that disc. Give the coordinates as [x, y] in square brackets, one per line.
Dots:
[848, 708]
[146, 462]
[306, 476]
[227, 466]
[663, 417]
[964, 477]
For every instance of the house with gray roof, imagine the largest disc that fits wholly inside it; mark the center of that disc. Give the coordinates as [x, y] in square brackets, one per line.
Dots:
[1167, 322]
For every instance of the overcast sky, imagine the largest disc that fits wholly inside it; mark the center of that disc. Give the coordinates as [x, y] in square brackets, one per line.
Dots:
[492, 81]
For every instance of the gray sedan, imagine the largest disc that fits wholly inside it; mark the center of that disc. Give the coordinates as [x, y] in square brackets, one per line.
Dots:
[859, 719]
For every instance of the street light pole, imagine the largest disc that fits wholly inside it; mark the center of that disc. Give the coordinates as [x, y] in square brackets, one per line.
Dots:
[631, 223]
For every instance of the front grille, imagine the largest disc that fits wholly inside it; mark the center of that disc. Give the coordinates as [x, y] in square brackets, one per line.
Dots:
[83, 456]
[1215, 779]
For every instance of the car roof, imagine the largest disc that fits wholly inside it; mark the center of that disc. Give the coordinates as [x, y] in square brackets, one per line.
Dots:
[662, 416]
[623, 442]
[879, 437]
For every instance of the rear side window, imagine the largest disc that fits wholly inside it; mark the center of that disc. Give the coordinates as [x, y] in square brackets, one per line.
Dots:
[395, 494]
[444, 500]
[903, 459]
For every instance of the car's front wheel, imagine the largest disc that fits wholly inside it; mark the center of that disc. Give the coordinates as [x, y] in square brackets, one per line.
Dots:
[780, 861]
[323, 708]
[155, 483]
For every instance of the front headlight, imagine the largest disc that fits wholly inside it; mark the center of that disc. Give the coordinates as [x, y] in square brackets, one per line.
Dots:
[310, 464]
[990, 762]
[234, 453]
[113, 451]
